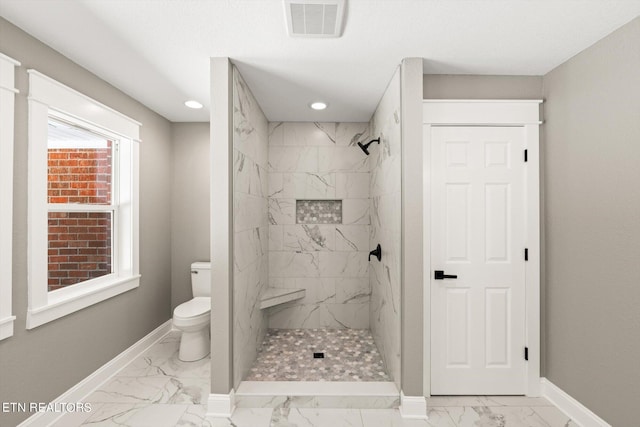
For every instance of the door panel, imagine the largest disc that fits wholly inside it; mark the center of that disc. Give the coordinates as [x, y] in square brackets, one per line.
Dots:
[497, 313]
[458, 317]
[497, 227]
[478, 223]
[458, 222]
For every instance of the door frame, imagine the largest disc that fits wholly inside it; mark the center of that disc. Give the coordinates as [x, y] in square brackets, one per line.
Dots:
[491, 112]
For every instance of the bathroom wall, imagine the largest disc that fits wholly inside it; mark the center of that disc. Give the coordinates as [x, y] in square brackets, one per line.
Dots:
[189, 205]
[319, 161]
[463, 86]
[386, 208]
[592, 211]
[251, 230]
[40, 364]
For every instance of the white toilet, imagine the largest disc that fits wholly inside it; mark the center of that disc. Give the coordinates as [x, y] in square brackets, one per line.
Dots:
[193, 317]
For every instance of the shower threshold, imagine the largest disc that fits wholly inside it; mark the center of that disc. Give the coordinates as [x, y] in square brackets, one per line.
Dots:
[317, 394]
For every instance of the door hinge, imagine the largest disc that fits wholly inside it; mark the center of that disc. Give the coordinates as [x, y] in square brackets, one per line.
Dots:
[526, 353]
[525, 155]
[526, 254]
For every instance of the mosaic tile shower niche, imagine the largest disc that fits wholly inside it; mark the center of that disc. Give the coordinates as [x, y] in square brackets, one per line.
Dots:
[318, 211]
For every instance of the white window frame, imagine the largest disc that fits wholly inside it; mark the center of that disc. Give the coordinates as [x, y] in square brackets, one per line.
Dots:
[49, 98]
[7, 102]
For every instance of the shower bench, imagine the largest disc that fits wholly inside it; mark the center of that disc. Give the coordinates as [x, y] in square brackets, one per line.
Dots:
[276, 296]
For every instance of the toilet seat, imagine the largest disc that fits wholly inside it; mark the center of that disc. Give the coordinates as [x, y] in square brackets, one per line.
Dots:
[194, 311]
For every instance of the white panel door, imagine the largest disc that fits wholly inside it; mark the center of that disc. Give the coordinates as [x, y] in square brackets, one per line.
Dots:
[478, 231]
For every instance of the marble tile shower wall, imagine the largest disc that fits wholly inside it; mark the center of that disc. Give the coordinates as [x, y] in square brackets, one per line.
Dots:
[319, 161]
[386, 206]
[251, 228]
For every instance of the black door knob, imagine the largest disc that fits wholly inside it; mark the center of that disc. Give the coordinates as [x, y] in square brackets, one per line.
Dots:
[439, 275]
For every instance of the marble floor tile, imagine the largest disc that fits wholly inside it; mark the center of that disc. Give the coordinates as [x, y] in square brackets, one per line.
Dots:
[73, 419]
[442, 401]
[192, 391]
[148, 364]
[312, 417]
[130, 390]
[166, 347]
[513, 401]
[491, 401]
[438, 417]
[383, 418]
[497, 416]
[287, 355]
[554, 417]
[195, 416]
[242, 417]
[167, 366]
[252, 417]
[158, 415]
[158, 390]
[108, 414]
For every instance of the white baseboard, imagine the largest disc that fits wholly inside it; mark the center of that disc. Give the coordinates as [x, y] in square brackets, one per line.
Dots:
[413, 407]
[575, 410]
[6, 327]
[221, 405]
[84, 388]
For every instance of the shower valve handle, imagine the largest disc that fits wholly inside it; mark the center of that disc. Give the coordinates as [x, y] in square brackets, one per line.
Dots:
[377, 252]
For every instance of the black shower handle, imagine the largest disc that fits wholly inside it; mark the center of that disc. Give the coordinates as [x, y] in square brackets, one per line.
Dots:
[377, 252]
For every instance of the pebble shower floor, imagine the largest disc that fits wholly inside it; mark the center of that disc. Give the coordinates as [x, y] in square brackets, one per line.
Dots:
[288, 355]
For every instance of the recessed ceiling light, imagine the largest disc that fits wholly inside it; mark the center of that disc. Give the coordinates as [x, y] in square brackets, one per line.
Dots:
[193, 104]
[318, 105]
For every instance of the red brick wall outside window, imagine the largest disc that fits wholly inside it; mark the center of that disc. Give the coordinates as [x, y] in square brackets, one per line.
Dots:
[79, 242]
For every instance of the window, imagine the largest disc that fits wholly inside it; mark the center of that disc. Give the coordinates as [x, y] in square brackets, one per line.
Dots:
[82, 204]
[7, 99]
[83, 201]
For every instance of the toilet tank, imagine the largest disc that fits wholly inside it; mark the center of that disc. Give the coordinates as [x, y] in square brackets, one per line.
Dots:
[201, 279]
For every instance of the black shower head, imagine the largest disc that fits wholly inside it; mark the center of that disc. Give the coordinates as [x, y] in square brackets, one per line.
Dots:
[365, 147]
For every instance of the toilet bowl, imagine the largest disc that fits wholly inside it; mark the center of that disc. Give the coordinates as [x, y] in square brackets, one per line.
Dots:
[193, 317]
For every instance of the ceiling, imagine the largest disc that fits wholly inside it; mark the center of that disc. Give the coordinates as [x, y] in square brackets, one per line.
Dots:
[158, 51]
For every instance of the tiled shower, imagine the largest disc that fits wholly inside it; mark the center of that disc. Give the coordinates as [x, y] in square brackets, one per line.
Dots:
[319, 224]
[309, 206]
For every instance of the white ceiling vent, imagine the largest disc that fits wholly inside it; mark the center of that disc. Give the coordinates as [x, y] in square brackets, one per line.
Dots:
[314, 18]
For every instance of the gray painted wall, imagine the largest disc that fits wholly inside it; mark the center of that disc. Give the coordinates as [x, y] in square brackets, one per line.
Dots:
[413, 310]
[222, 227]
[448, 86]
[592, 153]
[40, 364]
[189, 205]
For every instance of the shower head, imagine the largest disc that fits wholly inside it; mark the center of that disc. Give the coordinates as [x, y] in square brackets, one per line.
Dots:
[365, 147]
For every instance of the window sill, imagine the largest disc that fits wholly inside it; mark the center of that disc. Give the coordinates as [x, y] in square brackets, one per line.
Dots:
[6, 327]
[71, 302]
